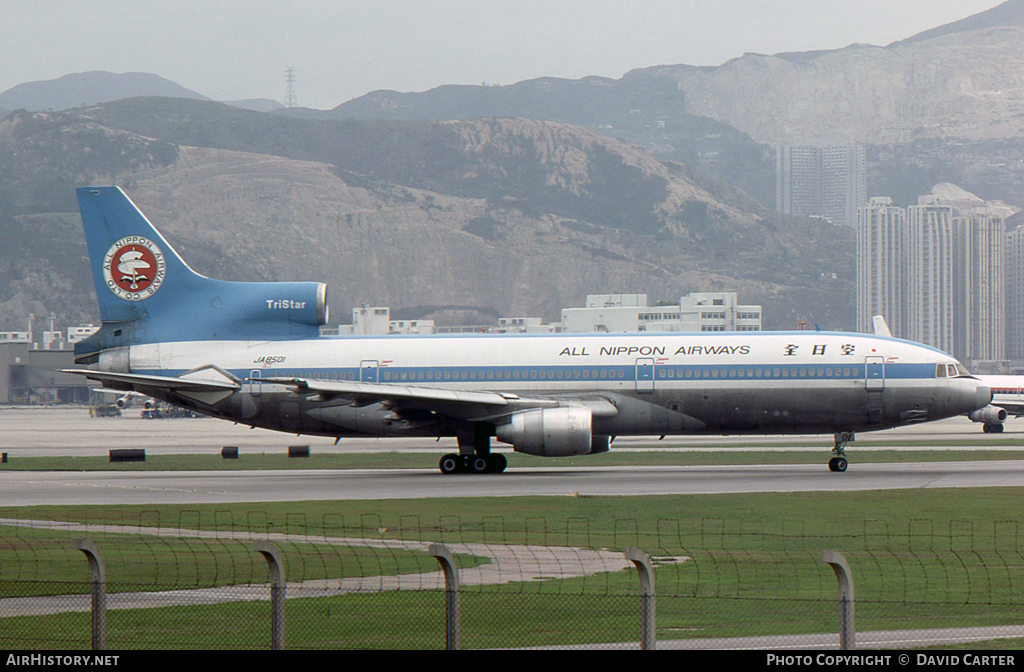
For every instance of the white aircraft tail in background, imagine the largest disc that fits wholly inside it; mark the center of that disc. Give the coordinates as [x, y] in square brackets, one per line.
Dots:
[881, 328]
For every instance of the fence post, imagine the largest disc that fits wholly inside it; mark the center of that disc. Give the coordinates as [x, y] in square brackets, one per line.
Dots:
[277, 591]
[642, 561]
[847, 631]
[452, 627]
[99, 592]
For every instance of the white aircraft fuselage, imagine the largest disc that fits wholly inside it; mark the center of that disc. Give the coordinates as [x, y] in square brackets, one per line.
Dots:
[249, 352]
[668, 383]
[1007, 392]
[1007, 400]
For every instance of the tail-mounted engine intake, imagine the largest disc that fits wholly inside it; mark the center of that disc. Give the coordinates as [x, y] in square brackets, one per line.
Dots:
[990, 415]
[550, 432]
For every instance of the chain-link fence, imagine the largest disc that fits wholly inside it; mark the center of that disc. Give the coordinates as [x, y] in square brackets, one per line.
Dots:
[199, 581]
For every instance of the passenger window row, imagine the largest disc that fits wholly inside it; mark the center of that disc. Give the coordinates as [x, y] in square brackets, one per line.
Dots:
[619, 373]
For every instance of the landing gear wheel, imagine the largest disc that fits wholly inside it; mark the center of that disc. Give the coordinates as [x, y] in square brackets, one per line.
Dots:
[837, 464]
[450, 464]
[838, 461]
[479, 465]
[496, 463]
[991, 428]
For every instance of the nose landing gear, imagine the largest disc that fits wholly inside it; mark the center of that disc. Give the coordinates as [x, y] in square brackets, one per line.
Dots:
[837, 464]
[838, 461]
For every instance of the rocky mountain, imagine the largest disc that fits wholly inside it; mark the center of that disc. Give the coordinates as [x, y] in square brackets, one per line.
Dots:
[1007, 14]
[644, 109]
[960, 80]
[992, 169]
[89, 88]
[506, 216]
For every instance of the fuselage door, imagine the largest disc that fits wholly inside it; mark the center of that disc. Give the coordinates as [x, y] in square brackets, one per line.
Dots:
[255, 384]
[368, 371]
[874, 374]
[645, 374]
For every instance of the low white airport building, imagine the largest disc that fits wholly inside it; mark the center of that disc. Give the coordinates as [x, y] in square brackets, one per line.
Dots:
[376, 320]
[700, 311]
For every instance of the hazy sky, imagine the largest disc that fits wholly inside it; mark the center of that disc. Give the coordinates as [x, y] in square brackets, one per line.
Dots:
[233, 49]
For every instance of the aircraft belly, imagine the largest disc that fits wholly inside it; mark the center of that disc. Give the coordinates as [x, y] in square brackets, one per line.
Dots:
[647, 415]
[778, 409]
[288, 416]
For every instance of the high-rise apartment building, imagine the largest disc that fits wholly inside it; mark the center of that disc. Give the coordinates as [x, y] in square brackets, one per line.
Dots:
[827, 180]
[979, 311]
[929, 288]
[1013, 274]
[881, 230]
[936, 272]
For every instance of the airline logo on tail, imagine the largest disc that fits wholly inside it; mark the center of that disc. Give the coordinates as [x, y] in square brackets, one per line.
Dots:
[134, 268]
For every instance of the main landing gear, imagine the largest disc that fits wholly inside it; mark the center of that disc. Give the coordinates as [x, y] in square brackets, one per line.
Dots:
[453, 463]
[838, 461]
[474, 456]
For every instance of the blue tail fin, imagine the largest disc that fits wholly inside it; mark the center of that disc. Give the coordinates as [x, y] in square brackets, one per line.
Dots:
[133, 267]
[147, 293]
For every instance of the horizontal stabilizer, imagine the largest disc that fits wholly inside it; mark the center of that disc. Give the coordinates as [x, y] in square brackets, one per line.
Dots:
[170, 383]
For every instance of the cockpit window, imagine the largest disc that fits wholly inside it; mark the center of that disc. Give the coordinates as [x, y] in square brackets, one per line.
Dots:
[950, 370]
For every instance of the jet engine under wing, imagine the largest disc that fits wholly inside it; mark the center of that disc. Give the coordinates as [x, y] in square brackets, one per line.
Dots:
[464, 404]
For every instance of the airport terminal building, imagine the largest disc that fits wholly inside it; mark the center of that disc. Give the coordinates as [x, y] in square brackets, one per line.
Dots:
[29, 376]
[701, 311]
[28, 370]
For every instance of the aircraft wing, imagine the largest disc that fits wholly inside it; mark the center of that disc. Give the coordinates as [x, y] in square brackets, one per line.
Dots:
[463, 404]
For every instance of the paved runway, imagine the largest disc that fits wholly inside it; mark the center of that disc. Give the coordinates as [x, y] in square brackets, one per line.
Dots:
[68, 430]
[32, 488]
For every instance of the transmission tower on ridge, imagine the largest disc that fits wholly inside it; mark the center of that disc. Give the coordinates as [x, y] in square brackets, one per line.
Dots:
[289, 80]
